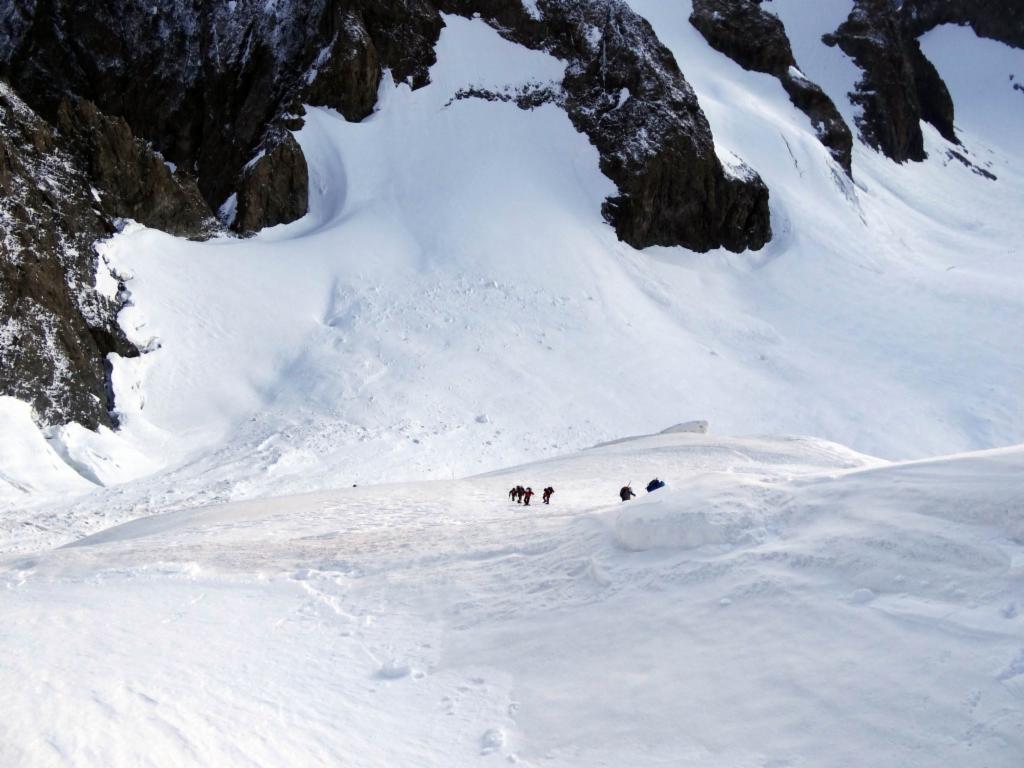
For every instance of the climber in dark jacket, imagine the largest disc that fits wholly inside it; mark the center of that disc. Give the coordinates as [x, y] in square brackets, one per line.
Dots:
[548, 493]
[655, 484]
[626, 493]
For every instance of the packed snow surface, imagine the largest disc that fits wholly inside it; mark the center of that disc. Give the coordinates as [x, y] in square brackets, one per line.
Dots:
[780, 602]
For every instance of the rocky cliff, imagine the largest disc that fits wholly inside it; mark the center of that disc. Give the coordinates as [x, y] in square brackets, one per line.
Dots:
[213, 88]
[900, 87]
[624, 90]
[167, 112]
[55, 327]
[757, 40]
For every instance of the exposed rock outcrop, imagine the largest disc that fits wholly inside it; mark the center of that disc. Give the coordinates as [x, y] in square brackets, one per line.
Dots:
[275, 186]
[757, 41]
[128, 85]
[210, 95]
[207, 83]
[900, 87]
[624, 90]
[1001, 20]
[56, 329]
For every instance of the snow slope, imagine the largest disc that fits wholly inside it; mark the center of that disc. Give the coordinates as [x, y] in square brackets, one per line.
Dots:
[781, 602]
[28, 464]
[453, 301]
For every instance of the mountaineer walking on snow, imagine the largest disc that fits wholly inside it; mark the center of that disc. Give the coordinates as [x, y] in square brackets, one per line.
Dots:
[548, 493]
[512, 494]
[655, 484]
[626, 493]
[527, 495]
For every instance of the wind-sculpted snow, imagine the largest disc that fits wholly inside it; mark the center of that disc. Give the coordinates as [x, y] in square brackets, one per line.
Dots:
[702, 514]
[789, 601]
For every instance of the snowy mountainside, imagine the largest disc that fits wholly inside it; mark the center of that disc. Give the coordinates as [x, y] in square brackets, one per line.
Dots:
[781, 601]
[453, 301]
[291, 541]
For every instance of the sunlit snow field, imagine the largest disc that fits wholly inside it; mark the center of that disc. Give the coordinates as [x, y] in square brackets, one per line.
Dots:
[453, 305]
[453, 302]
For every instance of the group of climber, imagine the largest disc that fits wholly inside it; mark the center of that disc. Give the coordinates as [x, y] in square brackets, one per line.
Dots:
[522, 495]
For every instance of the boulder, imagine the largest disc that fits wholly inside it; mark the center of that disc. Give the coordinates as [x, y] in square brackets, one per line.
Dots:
[625, 91]
[274, 188]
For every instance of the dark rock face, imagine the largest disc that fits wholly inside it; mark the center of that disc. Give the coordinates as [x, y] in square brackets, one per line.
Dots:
[900, 87]
[132, 180]
[275, 188]
[757, 40]
[208, 83]
[624, 90]
[349, 75]
[1001, 20]
[126, 85]
[55, 327]
[212, 94]
[746, 33]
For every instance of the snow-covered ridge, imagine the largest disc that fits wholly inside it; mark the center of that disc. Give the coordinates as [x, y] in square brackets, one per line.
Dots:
[788, 600]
